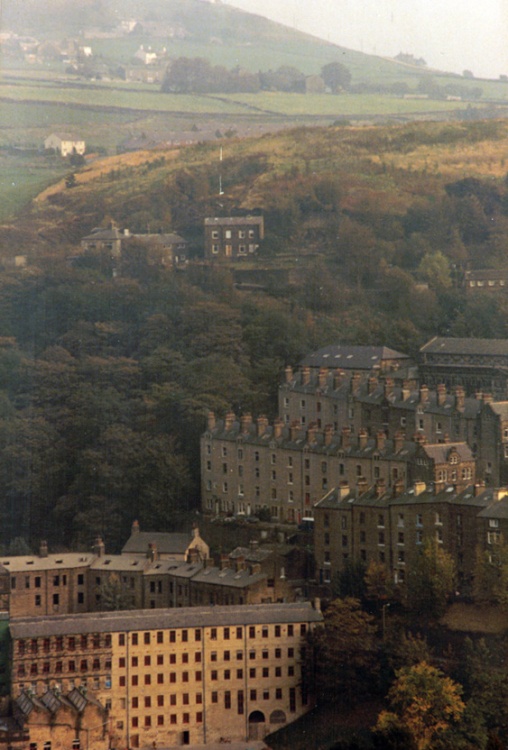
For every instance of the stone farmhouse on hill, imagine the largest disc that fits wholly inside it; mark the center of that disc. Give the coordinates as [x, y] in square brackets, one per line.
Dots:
[233, 237]
[165, 249]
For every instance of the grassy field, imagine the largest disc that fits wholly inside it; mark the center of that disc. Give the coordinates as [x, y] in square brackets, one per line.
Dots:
[22, 179]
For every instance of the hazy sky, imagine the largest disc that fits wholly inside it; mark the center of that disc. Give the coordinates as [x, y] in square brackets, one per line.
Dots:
[452, 35]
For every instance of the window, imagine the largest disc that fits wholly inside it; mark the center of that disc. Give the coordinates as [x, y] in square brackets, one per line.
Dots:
[134, 639]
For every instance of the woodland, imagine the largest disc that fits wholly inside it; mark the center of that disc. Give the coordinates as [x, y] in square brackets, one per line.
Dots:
[106, 377]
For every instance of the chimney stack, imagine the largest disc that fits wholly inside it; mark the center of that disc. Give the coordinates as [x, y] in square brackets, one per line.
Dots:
[289, 374]
[372, 385]
[278, 426]
[363, 437]
[406, 391]
[398, 488]
[460, 397]
[229, 421]
[322, 377]
[380, 487]
[43, 549]
[245, 421]
[153, 553]
[343, 490]
[262, 425]
[328, 434]
[345, 437]
[479, 487]
[388, 389]
[419, 487]
[361, 485]
[294, 430]
[355, 382]
[99, 547]
[424, 394]
[305, 375]
[398, 441]
[441, 394]
[311, 434]
[338, 377]
[135, 527]
[487, 398]
[380, 440]
[211, 421]
[224, 562]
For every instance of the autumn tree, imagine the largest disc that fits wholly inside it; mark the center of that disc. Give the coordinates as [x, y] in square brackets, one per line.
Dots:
[424, 702]
[430, 581]
[342, 654]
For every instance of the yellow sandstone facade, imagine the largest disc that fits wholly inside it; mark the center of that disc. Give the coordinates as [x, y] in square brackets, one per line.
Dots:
[173, 677]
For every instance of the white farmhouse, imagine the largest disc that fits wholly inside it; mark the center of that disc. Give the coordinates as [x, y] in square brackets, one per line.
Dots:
[64, 144]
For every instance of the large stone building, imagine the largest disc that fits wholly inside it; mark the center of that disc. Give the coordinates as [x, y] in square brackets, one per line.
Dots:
[170, 677]
[379, 526]
[232, 237]
[475, 364]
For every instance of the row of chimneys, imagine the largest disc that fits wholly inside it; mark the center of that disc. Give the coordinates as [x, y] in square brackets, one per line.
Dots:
[295, 430]
[356, 379]
[399, 487]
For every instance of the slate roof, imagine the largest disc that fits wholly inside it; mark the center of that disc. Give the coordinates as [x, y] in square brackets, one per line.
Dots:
[497, 509]
[168, 543]
[64, 561]
[317, 446]
[439, 452]
[439, 344]
[229, 577]
[161, 619]
[449, 495]
[103, 234]
[232, 220]
[352, 357]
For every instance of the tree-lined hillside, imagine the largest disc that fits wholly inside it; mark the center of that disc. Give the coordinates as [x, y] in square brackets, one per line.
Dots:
[106, 380]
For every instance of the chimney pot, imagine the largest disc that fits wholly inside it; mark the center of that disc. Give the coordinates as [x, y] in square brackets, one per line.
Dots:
[289, 374]
[262, 425]
[295, 430]
[278, 426]
[305, 375]
[322, 377]
[245, 421]
[380, 440]
[441, 394]
[43, 549]
[211, 420]
[363, 437]
[229, 421]
[345, 438]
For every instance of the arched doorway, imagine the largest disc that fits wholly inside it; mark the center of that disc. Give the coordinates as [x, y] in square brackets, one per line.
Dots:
[256, 725]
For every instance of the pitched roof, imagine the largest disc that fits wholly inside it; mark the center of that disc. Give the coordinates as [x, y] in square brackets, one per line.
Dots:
[168, 543]
[440, 344]
[351, 357]
[163, 619]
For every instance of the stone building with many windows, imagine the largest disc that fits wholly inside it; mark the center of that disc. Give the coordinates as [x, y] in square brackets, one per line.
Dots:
[379, 526]
[174, 677]
[232, 237]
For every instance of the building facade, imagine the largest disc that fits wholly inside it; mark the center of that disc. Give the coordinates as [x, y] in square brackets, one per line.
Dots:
[379, 526]
[233, 237]
[173, 677]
